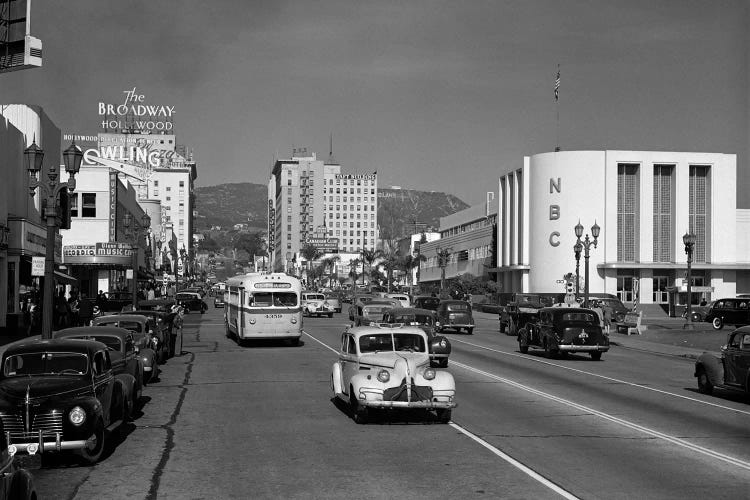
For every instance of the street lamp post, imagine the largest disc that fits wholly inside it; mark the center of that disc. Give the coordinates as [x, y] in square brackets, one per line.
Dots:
[586, 243]
[443, 255]
[183, 258]
[689, 240]
[135, 234]
[50, 189]
[577, 249]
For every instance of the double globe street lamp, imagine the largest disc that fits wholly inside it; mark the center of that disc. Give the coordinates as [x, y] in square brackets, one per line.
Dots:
[134, 234]
[51, 189]
[585, 245]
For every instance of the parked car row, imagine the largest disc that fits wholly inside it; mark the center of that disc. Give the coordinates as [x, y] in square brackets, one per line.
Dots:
[72, 393]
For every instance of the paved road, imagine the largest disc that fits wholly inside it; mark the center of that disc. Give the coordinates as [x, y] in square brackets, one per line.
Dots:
[258, 422]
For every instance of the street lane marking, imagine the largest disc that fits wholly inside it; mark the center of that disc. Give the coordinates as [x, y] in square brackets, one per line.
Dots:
[625, 423]
[512, 461]
[515, 463]
[625, 382]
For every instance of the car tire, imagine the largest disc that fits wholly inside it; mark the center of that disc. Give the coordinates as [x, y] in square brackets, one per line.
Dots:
[523, 342]
[717, 323]
[470, 331]
[548, 352]
[444, 415]
[330, 315]
[596, 355]
[92, 456]
[512, 330]
[704, 384]
[21, 486]
[359, 412]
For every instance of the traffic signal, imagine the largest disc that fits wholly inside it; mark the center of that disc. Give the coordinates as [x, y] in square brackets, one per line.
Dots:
[569, 287]
[63, 210]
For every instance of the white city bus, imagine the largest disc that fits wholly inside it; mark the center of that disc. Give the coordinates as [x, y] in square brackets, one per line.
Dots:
[263, 306]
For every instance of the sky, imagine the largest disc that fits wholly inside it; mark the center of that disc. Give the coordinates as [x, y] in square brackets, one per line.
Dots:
[433, 95]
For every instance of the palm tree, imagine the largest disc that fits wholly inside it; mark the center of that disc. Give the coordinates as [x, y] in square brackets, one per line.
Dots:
[353, 265]
[310, 253]
[370, 256]
[410, 262]
[391, 261]
[330, 263]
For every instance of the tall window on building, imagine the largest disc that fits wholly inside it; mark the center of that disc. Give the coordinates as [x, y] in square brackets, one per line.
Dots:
[663, 232]
[73, 204]
[627, 212]
[699, 202]
[88, 204]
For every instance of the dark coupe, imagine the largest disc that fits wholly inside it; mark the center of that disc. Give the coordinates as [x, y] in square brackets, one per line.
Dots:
[439, 346]
[59, 395]
[563, 330]
[191, 301]
[456, 315]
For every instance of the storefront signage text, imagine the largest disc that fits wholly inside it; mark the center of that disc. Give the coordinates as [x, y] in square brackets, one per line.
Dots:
[554, 211]
[145, 117]
[370, 177]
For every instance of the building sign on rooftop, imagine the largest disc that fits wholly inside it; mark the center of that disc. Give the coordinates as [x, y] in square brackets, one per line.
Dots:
[135, 116]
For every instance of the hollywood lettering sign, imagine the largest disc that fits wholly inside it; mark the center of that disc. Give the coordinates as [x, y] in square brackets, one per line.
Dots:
[136, 114]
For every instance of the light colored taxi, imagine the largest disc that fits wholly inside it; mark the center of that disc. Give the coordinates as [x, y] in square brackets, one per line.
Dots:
[387, 366]
[315, 304]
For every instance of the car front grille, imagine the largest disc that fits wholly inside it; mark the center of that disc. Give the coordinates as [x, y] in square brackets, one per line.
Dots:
[49, 423]
[418, 392]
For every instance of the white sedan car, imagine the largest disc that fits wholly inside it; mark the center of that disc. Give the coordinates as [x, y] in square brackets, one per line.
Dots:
[315, 304]
[388, 366]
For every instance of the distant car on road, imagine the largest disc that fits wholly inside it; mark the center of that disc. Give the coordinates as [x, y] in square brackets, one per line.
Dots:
[371, 312]
[455, 315]
[439, 346]
[563, 330]
[334, 299]
[388, 368]
[219, 300]
[315, 304]
[191, 301]
[732, 311]
[731, 370]
[141, 328]
[426, 302]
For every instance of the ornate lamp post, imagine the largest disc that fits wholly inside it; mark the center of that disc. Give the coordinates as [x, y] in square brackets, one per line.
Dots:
[50, 189]
[443, 256]
[134, 234]
[689, 240]
[183, 258]
[577, 249]
[586, 244]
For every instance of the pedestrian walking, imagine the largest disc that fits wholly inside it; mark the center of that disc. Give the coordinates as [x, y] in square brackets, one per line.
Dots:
[607, 317]
[85, 310]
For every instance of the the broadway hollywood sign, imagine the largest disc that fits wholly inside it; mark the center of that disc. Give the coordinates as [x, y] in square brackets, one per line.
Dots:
[135, 114]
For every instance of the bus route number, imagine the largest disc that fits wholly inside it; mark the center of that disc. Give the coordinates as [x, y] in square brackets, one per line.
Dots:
[273, 316]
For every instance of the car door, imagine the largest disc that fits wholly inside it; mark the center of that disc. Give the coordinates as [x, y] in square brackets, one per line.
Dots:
[731, 358]
[742, 361]
[103, 382]
[349, 361]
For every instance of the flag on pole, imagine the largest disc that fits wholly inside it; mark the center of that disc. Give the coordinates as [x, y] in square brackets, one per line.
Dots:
[557, 84]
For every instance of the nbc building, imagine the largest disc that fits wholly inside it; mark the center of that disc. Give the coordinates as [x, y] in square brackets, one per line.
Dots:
[643, 202]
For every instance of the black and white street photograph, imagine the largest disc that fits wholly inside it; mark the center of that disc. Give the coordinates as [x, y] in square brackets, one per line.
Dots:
[348, 249]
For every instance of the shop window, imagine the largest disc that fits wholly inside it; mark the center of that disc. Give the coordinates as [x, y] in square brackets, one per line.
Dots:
[73, 204]
[88, 204]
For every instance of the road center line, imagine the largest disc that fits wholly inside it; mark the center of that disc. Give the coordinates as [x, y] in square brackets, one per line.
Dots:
[625, 423]
[512, 461]
[611, 379]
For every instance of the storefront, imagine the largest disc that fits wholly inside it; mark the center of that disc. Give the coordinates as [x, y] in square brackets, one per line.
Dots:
[100, 266]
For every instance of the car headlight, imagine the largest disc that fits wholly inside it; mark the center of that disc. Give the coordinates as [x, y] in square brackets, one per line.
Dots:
[443, 343]
[77, 416]
[294, 321]
[429, 373]
[252, 321]
[384, 376]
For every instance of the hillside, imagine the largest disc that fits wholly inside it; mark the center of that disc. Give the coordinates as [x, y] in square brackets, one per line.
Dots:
[246, 203]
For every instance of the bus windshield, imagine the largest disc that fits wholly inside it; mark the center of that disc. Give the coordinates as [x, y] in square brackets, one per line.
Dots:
[268, 299]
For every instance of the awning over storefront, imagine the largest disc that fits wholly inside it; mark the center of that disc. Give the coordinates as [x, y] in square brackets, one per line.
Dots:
[65, 278]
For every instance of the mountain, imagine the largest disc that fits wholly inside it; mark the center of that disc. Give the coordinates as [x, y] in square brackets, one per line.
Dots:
[245, 203]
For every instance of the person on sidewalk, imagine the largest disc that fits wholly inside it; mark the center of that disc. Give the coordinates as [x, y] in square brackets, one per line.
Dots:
[85, 310]
[607, 317]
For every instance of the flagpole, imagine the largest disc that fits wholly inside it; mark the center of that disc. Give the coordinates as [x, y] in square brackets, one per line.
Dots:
[557, 109]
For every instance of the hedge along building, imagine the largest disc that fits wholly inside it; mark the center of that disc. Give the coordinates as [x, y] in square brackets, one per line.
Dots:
[644, 201]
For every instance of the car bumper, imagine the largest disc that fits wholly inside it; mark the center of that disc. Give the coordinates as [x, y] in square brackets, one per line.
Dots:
[583, 348]
[408, 404]
[457, 325]
[43, 444]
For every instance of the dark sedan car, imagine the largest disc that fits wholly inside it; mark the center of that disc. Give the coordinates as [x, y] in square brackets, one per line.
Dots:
[439, 346]
[123, 353]
[563, 330]
[59, 395]
[116, 301]
[426, 302]
[455, 315]
[149, 351]
[191, 301]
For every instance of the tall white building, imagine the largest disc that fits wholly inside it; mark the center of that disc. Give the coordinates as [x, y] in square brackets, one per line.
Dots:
[312, 201]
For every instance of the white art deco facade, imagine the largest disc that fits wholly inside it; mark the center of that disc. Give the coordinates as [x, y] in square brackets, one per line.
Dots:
[644, 201]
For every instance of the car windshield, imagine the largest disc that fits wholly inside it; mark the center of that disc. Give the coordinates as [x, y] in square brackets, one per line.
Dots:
[185, 296]
[45, 363]
[375, 309]
[413, 319]
[133, 326]
[385, 342]
[314, 296]
[580, 317]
